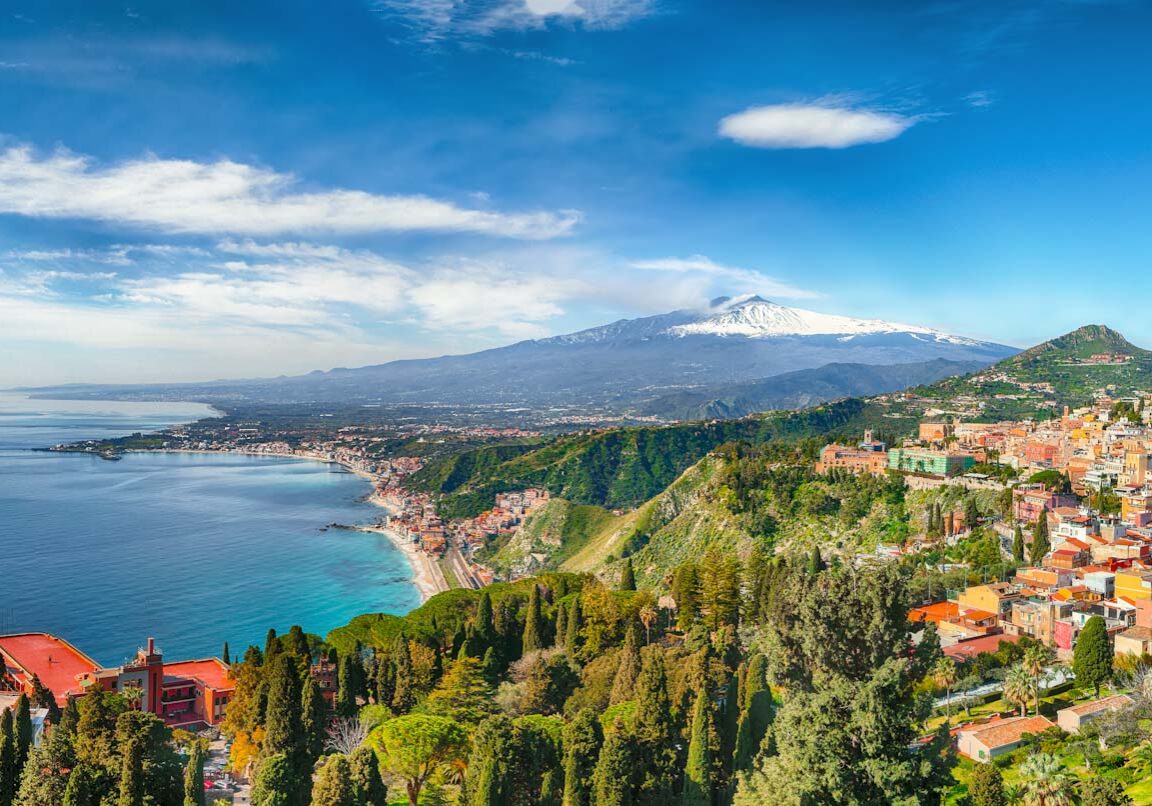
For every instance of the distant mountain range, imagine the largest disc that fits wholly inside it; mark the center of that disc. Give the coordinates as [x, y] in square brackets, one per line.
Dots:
[739, 355]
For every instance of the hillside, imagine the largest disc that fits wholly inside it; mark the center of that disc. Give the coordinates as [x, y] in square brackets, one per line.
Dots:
[623, 468]
[806, 387]
[1039, 382]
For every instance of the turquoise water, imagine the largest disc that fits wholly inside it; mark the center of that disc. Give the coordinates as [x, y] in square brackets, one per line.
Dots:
[194, 549]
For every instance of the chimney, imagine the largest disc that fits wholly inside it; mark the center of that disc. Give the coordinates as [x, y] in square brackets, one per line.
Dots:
[151, 645]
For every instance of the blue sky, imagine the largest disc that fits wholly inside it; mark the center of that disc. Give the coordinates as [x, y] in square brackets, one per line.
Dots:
[213, 189]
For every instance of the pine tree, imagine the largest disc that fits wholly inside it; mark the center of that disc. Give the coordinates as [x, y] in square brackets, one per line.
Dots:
[463, 694]
[1092, 655]
[582, 740]
[1040, 544]
[225, 656]
[404, 692]
[628, 576]
[1018, 545]
[615, 768]
[333, 785]
[534, 638]
[194, 776]
[698, 784]
[624, 683]
[9, 772]
[654, 729]
[365, 768]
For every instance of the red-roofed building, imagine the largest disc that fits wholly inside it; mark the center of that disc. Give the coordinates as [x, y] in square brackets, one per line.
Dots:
[184, 694]
[975, 646]
[60, 666]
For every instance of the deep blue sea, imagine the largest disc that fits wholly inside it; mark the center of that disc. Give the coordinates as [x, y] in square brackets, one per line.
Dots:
[193, 549]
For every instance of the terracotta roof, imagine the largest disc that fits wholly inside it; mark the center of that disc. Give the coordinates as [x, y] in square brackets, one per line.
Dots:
[974, 646]
[1138, 633]
[54, 660]
[1102, 704]
[1009, 731]
[935, 612]
[210, 671]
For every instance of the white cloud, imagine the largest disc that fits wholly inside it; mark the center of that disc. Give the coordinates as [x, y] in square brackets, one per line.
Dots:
[737, 279]
[436, 20]
[813, 126]
[225, 197]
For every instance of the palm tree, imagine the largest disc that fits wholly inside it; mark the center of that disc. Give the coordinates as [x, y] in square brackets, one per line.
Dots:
[132, 695]
[648, 618]
[1036, 659]
[1045, 781]
[1018, 688]
[944, 673]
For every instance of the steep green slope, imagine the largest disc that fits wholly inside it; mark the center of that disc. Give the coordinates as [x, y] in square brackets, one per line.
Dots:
[1041, 380]
[622, 468]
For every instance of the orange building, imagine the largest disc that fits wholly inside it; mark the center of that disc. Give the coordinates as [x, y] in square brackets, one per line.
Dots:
[184, 694]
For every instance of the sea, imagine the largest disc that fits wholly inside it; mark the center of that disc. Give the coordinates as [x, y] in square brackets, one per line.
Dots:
[191, 549]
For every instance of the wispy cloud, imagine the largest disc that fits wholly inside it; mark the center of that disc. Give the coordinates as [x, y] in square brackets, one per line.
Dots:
[738, 279]
[813, 125]
[226, 197]
[438, 20]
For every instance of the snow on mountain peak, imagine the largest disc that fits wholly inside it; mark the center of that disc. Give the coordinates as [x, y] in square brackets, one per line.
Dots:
[751, 316]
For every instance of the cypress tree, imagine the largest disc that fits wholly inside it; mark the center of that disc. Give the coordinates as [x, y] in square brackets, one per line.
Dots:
[615, 768]
[1092, 655]
[345, 704]
[85, 786]
[655, 729]
[132, 772]
[63, 736]
[558, 624]
[23, 730]
[385, 679]
[1018, 545]
[194, 776]
[365, 769]
[730, 726]
[296, 643]
[43, 697]
[534, 638]
[698, 786]
[274, 783]
[971, 513]
[404, 694]
[314, 718]
[225, 656]
[492, 764]
[8, 769]
[284, 729]
[624, 683]
[572, 630]
[485, 624]
[271, 645]
[582, 740]
[816, 562]
[686, 592]
[1040, 543]
[756, 716]
[628, 576]
[333, 786]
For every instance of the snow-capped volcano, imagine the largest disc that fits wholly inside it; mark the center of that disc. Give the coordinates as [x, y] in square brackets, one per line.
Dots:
[755, 317]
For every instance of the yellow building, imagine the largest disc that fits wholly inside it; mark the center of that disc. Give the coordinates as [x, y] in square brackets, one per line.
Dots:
[1135, 583]
[996, 597]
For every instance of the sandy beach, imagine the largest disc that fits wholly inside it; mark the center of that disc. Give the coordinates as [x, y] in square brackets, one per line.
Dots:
[426, 574]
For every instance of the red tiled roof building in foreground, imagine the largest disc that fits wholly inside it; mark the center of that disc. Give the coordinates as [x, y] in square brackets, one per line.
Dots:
[185, 694]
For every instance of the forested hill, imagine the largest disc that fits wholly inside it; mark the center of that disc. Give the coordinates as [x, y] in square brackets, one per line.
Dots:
[1040, 381]
[622, 468]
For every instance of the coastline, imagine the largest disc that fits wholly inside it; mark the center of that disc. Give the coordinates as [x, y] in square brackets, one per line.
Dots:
[427, 576]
